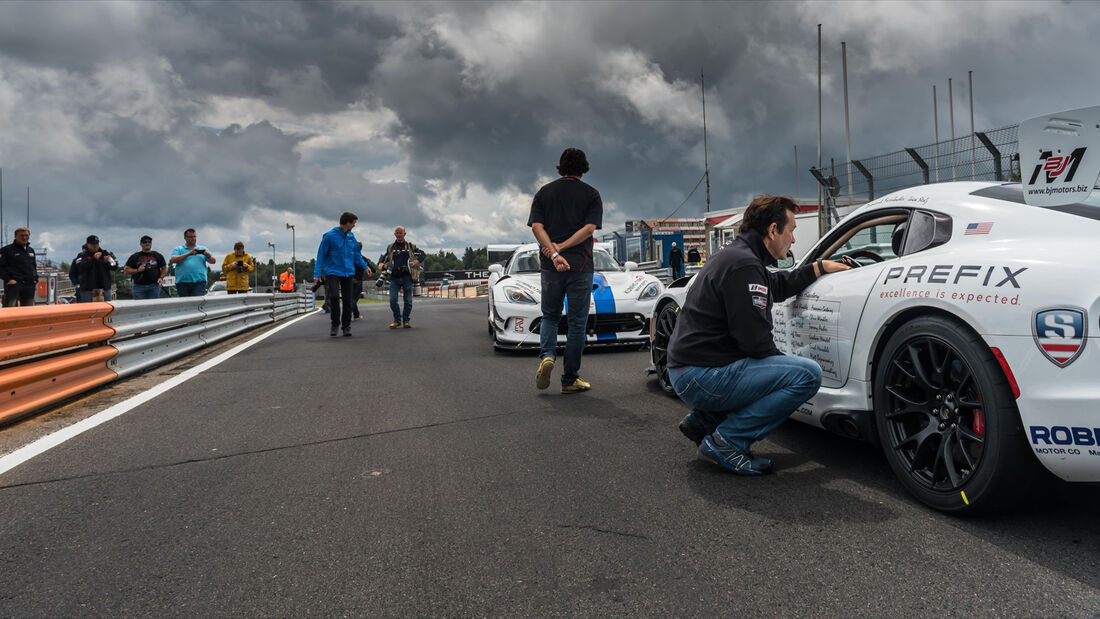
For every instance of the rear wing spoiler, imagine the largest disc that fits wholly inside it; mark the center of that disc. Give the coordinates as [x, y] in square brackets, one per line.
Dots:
[1060, 156]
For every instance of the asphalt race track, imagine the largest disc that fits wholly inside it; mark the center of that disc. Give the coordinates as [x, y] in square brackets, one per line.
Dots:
[419, 473]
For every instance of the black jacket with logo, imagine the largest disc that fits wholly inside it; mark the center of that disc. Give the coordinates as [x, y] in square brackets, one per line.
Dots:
[92, 273]
[18, 262]
[727, 314]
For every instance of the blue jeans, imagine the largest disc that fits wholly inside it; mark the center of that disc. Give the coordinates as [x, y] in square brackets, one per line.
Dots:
[751, 396]
[557, 287]
[85, 296]
[405, 283]
[191, 289]
[146, 291]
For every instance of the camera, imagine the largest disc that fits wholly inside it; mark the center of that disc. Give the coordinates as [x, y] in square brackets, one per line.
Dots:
[240, 266]
[383, 279]
[317, 286]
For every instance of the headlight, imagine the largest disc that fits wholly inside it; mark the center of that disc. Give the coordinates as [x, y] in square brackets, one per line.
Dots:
[518, 295]
[650, 292]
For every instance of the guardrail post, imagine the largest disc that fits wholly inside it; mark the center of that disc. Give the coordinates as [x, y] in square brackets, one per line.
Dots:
[923, 166]
[988, 144]
[870, 179]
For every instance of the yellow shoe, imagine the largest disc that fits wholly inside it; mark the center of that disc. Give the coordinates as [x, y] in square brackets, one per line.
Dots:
[577, 387]
[546, 368]
[394, 325]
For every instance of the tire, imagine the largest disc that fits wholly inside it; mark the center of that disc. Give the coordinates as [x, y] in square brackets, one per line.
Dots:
[947, 420]
[664, 323]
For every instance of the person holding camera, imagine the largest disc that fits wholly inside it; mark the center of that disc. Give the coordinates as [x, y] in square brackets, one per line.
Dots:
[403, 259]
[146, 269]
[236, 268]
[191, 260]
[93, 271]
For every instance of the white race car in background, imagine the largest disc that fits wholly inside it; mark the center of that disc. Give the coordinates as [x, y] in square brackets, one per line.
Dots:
[619, 312]
[966, 344]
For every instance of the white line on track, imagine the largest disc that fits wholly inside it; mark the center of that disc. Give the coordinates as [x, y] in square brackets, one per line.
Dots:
[50, 441]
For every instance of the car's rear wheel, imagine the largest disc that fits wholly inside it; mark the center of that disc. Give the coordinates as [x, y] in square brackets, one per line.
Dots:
[664, 323]
[947, 419]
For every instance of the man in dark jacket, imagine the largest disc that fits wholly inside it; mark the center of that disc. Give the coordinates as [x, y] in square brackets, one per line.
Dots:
[403, 259]
[19, 270]
[676, 261]
[357, 283]
[722, 359]
[693, 256]
[93, 272]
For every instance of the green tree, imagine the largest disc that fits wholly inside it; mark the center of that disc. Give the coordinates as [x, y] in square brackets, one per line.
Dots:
[475, 259]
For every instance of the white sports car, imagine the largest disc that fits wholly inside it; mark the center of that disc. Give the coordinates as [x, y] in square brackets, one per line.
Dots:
[619, 312]
[962, 344]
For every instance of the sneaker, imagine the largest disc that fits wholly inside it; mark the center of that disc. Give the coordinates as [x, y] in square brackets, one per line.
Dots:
[546, 368]
[394, 325]
[577, 387]
[715, 449]
[332, 332]
[408, 325]
[357, 318]
[347, 332]
[689, 428]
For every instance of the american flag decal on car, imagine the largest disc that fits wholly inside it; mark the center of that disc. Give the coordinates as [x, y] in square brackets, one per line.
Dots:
[978, 228]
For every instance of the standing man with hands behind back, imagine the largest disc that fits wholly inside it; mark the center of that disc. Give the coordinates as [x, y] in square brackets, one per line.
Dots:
[190, 260]
[564, 214]
[19, 270]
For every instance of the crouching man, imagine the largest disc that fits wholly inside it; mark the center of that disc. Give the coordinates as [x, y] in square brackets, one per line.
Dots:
[722, 359]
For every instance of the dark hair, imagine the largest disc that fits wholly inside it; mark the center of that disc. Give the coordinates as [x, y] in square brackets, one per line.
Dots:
[572, 162]
[766, 210]
[347, 218]
[189, 230]
[238, 245]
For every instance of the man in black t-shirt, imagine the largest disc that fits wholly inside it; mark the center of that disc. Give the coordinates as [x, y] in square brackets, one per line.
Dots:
[146, 269]
[564, 214]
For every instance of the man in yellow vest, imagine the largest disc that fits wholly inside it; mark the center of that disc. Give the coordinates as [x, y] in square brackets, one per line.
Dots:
[236, 268]
[286, 281]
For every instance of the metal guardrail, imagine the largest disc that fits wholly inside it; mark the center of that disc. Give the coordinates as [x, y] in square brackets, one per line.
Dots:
[50, 353]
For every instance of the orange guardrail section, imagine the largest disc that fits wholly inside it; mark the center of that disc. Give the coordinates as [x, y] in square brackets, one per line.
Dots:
[28, 331]
[26, 387]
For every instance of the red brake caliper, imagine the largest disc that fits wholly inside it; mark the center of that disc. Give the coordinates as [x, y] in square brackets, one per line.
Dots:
[979, 421]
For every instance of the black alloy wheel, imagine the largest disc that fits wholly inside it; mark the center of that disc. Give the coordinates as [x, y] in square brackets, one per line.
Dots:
[664, 321]
[947, 419]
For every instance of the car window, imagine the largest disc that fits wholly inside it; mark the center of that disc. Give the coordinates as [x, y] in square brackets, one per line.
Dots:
[602, 261]
[525, 262]
[870, 244]
[926, 230]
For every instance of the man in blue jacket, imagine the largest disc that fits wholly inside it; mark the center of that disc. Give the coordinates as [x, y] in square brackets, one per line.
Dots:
[336, 260]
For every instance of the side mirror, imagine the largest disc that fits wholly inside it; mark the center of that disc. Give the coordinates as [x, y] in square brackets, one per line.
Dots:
[496, 268]
[630, 265]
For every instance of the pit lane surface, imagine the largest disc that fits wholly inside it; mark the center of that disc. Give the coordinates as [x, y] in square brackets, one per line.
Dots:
[416, 472]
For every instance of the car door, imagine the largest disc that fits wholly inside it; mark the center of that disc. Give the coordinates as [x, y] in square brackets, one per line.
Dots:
[821, 323]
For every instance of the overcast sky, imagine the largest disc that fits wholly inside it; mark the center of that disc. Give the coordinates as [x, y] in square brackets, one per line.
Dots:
[237, 118]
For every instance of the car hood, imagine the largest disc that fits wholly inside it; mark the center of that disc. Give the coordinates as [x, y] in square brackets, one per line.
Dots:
[619, 285]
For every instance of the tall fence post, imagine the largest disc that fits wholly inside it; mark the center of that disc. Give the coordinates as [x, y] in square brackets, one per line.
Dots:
[923, 166]
[870, 179]
[988, 144]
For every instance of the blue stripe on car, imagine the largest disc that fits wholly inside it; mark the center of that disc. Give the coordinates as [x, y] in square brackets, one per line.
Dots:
[604, 300]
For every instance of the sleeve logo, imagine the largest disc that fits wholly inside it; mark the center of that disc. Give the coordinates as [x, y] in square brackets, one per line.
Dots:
[758, 289]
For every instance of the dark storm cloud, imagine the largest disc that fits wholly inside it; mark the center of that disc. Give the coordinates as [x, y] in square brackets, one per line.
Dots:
[489, 94]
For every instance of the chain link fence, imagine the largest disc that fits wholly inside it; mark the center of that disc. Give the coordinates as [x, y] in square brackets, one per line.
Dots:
[984, 156]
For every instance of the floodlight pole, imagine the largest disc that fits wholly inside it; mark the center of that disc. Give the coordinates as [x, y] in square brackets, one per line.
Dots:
[272, 246]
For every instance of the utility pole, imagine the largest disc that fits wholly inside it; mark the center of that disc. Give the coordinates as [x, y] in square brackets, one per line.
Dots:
[847, 130]
[970, 87]
[706, 164]
[820, 206]
[272, 246]
[951, 107]
[796, 190]
[293, 254]
[936, 131]
[3, 230]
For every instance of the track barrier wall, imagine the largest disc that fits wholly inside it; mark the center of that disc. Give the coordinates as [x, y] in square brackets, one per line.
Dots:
[49, 353]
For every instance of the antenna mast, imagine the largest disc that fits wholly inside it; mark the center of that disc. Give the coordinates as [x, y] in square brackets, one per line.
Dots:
[706, 165]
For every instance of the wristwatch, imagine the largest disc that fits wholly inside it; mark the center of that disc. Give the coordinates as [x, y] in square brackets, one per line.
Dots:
[554, 255]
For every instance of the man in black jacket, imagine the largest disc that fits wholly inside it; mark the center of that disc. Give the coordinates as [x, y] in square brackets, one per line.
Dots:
[722, 359]
[19, 270]
[93, 267]
[676, 262]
